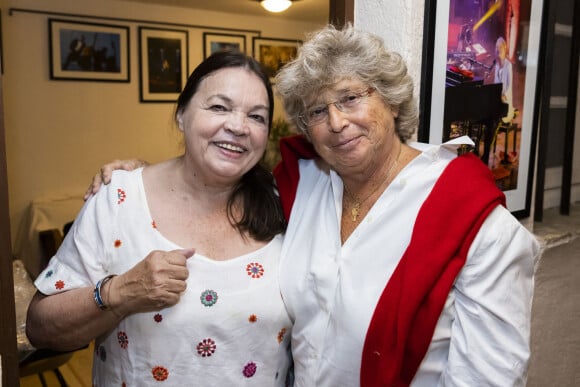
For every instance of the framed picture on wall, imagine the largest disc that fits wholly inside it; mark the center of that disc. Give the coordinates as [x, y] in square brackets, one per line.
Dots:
[274, 53]
[480, 79]
[82, 51]
[163, 63]
[222, 42]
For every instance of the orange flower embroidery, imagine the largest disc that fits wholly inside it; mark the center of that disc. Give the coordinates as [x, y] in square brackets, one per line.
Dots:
[281, 335]
[154, 224]
[252, 318]
[59, 284]
[160, 373]
[118, 243]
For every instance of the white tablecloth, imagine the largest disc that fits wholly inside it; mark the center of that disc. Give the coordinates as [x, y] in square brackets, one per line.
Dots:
[43, 214]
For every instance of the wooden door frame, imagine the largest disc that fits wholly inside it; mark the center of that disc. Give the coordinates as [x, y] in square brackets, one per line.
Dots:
[8, 350]
[341, 12]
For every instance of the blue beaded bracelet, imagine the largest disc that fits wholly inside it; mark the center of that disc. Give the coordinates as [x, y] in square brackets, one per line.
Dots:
[97, 292]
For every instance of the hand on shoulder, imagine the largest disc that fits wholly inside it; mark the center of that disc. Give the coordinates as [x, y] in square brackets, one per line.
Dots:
[106, 171]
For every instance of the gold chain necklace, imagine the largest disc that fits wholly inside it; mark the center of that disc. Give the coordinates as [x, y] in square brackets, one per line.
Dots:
[355, 210]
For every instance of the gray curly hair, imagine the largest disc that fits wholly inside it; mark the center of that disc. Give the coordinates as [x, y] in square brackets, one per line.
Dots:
[330, 55]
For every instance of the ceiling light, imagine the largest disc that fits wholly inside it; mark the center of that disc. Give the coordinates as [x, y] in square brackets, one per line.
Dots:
[276, 5]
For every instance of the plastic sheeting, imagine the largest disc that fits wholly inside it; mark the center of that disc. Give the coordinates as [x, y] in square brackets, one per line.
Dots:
[23, 291]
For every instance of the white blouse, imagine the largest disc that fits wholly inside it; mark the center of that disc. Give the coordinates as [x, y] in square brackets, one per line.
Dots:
[330, 290]
[230, 327]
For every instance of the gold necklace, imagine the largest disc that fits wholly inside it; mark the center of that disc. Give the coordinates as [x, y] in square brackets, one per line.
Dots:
[355, 210]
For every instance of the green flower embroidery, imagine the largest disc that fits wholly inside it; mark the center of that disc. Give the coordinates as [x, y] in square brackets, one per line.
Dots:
[208, 297]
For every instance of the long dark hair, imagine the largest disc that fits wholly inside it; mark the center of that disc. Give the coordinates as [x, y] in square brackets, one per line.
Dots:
[262, 216]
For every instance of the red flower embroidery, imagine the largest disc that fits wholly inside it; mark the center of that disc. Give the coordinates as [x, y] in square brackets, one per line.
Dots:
[121, 195]
[59, 284]
[206, 347]
[122, 339]
[158, 318]
[281, 335]
[154, 224]
[249, 369]
[255, 270]
[118, 243]
[252, 318]
[160, 373]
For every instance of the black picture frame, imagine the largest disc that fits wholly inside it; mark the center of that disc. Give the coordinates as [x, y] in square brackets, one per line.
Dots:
[273, 53]
[163, 63]
[81, 51]
[455, 35]
[214, 42]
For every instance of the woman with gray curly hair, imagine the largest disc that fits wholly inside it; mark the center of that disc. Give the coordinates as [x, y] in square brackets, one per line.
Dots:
[400, 264]
[349, 55]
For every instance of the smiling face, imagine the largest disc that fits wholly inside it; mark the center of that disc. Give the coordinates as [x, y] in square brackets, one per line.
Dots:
[357, 141]
[225, 124]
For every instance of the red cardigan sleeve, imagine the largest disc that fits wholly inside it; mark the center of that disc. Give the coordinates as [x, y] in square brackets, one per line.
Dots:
[286, 173]
[408, 310]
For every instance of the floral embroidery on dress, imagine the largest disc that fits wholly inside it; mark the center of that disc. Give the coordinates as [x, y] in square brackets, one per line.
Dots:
[249, 369]
[59, 285]
[158, 317]
[255, 270]
[153, 224]
[160, 373]
[121, 195]
[206, 347]
[281, 335]
[101, 352]
[123, 339]
[208, 297]
[49, 274]
[118, 243]
[253, 318]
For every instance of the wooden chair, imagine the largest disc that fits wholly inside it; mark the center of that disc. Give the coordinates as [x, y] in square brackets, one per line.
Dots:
[43, 360]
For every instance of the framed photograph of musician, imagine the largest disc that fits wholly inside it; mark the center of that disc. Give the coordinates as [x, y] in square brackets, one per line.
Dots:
[82, 51]
[163, 63]
[222, 42]
[274, 53]
[481, 80]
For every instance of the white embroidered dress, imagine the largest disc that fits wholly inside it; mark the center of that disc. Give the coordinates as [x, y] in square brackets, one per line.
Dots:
[230, 327]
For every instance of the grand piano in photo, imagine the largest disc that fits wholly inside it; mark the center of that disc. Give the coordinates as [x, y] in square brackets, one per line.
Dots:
[477, 106]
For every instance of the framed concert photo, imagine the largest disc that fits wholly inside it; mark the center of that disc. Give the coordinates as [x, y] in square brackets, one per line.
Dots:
[82, 51]
[480, 79]
[213, 42]
[163, 63]
[274, 53]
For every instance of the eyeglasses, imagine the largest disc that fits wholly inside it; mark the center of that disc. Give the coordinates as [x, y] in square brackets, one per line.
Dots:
[348, 103]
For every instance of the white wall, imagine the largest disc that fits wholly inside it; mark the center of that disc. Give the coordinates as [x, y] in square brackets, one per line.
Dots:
[59, 132]
[400, 24]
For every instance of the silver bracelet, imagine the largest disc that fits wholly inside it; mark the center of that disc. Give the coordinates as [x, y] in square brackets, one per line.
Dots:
[97, 292]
